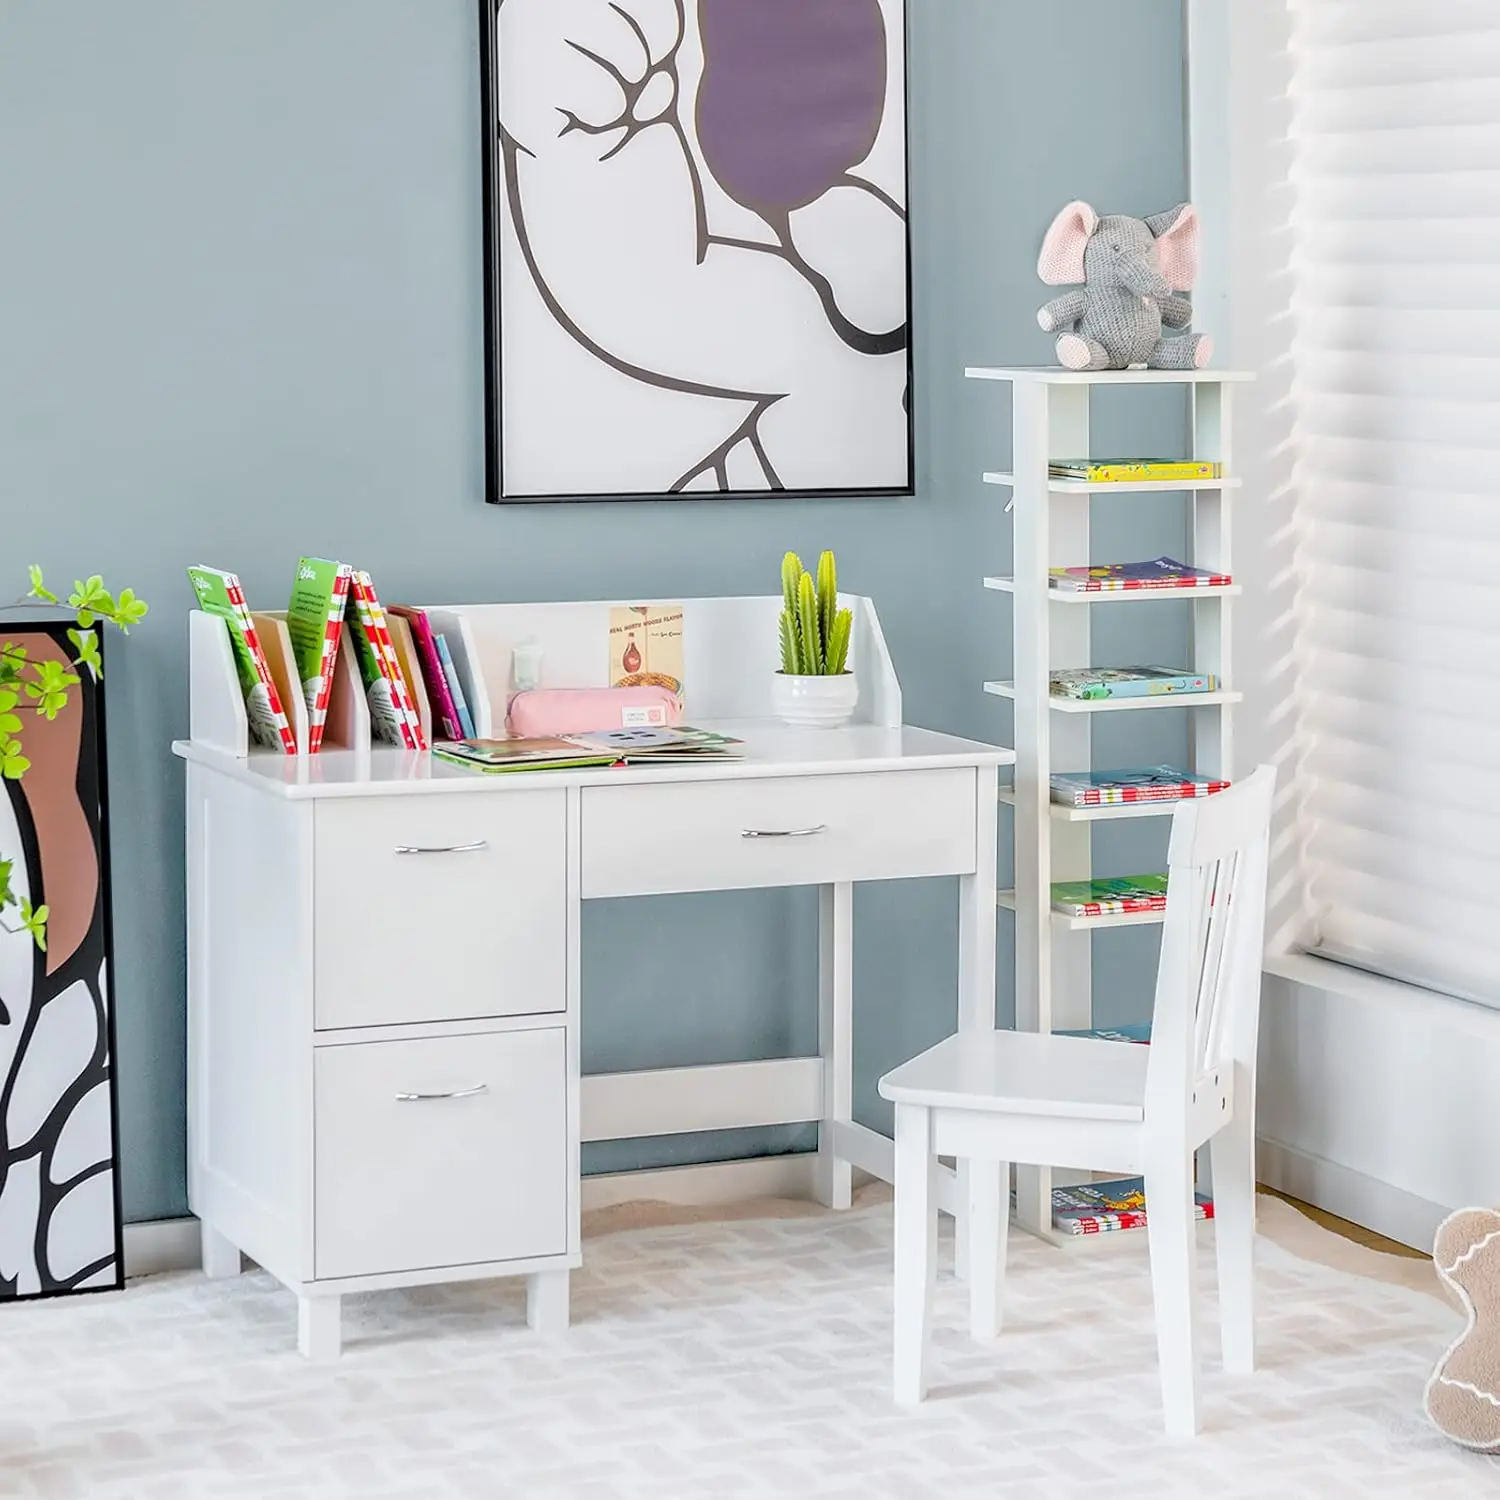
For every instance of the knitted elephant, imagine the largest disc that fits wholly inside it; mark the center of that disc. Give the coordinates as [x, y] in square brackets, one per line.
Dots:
[1131, 270]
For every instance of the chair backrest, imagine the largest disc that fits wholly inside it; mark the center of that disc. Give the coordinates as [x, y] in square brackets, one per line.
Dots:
[1207, 1012]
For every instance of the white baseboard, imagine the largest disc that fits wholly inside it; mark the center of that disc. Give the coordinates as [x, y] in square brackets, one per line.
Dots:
[1391, 1211]
[173, 1244]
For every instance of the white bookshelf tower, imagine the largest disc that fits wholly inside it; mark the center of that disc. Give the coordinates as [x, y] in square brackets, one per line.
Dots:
[1050, 417]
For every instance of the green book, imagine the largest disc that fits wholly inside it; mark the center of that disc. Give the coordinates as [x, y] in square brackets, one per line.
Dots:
[219, 594]
[1111, 897]
[314, 621]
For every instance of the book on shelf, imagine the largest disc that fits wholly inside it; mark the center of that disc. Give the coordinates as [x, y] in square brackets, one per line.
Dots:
[1133, 470]
[534, 754]
[1134, 785]
[434, 678]
[606, 748]
[1155, 573]
[1113, 896]
[1128, 682]
[219, 594]
[393, 714]
[1134, 1033]
[1100, 1207]
[455, 687]
[661, 745]
[315, 621]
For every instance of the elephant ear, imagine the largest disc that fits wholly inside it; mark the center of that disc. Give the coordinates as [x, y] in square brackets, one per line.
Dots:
[1061, 260]
[1176, 234]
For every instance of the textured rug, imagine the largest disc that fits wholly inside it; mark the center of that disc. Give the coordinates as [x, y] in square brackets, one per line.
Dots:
[731, 1357]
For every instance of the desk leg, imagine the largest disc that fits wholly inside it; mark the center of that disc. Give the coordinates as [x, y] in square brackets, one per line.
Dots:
[835, 1035]
[547, 1301]
[982, 1196]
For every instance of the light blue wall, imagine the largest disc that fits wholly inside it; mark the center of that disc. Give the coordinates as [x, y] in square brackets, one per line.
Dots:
[240, 320]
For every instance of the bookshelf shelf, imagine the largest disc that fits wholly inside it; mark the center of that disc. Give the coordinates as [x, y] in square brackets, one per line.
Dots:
[1119, 596]
[1113, 812]
[1061, 920]
[1115, 486]
[1051, 418]
[1121, 705]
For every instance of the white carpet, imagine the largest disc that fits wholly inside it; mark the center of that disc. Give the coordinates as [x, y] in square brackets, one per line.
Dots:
[724, 1359]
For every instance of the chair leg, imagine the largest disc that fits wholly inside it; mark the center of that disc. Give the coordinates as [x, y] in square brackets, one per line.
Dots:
[1233, 1153]
[916, 1249]
[1171, 1234]
[989, 1222]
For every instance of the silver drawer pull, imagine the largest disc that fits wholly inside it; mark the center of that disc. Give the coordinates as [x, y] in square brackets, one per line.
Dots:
[473, 848]
[479, 1088]
[783, 833]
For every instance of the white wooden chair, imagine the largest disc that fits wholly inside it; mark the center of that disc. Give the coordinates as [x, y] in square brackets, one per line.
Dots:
[1114, 1106]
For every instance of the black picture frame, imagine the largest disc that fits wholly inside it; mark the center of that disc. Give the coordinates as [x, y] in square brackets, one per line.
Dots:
[93, 956]
[492, 171]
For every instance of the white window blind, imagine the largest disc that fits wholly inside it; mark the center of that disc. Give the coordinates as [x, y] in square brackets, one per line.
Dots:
[1396, 395]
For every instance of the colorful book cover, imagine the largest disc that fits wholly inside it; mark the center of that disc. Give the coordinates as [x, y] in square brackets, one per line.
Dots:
[1140, 1034]
[455, 688]
[314, 620]
[1134, 470]
[535, 754]
[219, 594]
[1137, 784]
[413, 738]
[645, 646]
[439, 694]
[1129, 682]
[389, 721]
[1111, 897]
[680, 743]
[1156, 573]
[1099, 1207]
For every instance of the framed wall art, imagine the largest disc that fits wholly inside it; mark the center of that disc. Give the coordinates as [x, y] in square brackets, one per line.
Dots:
[60, 1225]
[697, 260]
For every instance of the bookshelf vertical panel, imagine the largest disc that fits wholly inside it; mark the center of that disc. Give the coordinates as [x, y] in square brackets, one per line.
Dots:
[276, 642]
[216, 711]
[347, 726]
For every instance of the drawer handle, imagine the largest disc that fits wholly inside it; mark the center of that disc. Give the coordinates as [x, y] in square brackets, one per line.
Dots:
[479, 1088]
[473, 848]
[783, 833]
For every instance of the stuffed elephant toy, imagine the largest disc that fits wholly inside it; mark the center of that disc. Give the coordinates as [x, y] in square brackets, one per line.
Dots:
[1132, 271]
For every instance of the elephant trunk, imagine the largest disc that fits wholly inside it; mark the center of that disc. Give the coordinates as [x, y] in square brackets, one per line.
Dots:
[1141, 275]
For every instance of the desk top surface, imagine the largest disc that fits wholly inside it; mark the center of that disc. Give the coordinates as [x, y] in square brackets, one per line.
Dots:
[771, 749]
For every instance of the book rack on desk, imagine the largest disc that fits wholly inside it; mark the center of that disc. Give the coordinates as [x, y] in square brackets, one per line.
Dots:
[384, 970]
[1050, 419]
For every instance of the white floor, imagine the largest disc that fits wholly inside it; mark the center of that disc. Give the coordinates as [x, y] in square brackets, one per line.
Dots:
[724, 1359]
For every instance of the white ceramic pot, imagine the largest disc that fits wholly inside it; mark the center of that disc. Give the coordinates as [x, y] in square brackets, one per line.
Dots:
[814, 702]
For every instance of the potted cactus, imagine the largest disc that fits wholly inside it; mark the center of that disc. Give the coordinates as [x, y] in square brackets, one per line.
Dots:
[814, 687]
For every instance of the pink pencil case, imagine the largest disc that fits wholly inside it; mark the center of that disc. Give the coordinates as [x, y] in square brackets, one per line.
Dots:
[550, 711]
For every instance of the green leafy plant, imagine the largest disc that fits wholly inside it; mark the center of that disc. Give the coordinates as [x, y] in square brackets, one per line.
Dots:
[814, 630]
[44, 687]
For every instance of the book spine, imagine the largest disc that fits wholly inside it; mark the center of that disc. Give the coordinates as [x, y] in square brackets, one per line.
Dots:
[456, 687]
[390, 667]
[387, 721]
[1144, 687]
[1141, 585]
[317, 711]
[251, 638]
[1138, 473]
[437, 680]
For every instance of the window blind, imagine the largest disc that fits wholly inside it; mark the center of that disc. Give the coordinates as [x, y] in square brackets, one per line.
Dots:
[1396, 421]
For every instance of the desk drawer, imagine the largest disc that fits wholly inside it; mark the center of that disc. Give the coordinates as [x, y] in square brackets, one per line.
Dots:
[477, 1172]
[802, 830]
[440, 908]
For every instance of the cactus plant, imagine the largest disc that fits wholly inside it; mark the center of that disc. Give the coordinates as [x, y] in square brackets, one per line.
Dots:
[814, 630]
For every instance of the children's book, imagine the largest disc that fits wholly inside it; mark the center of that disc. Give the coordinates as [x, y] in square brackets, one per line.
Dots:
[393, 718]
[314, 620]
[1133, 470]
[658, 745]
[536, 754]
[1099, 1207]
[439, 694]
[1129, 682]
[1146, 784]
[1110, 897]
[1157, 573]
[1140, 1034]
[219, 594]
[645, 646]
[455, 688]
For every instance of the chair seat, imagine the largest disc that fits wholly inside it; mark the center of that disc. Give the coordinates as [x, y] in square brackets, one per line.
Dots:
[1021, 1072]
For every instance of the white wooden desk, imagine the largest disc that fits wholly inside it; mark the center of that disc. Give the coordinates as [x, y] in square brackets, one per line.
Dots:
[384, 979]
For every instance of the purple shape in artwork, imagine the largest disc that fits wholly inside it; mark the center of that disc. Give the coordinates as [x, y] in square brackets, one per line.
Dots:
[792, 96]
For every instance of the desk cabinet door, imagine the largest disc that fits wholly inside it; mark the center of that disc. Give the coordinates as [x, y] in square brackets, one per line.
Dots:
[440, 908]
[472, 1169]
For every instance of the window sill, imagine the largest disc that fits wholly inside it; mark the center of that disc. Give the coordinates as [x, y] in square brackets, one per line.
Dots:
[1356, 984]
